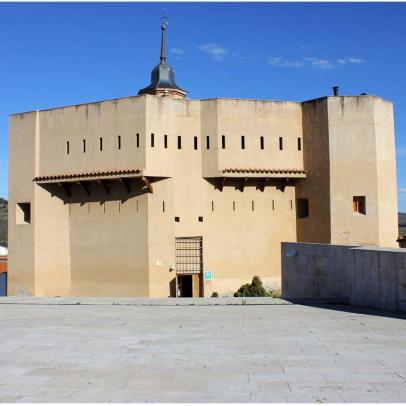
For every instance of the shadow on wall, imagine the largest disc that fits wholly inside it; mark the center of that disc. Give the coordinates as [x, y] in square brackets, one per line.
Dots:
[98, 191]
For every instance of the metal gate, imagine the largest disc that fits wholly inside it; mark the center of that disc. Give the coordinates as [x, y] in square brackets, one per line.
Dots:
[189, 255]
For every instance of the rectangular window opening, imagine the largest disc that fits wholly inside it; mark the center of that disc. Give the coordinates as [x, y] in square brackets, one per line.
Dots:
[165, 141]
[233, 206]
[67, 148]
[137, 204]
[359, 204]
[208, 142]
[262, 142]
[242, 142]
[273, 204]
[223, 142]
[101, 144]
[119, 141]
[302, 208]
[200, 218]
[252, 205]
[212, 205]
[195, 143]
[299, 144]
[23, 212]
[291, 204]
[280, 144]
[163, 206]
[177, 219]
[179, 142]
[84, 146]
[138, 140]
[152, 140]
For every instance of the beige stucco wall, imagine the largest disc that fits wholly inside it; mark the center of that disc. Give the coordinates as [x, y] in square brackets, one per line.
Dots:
[123, 244]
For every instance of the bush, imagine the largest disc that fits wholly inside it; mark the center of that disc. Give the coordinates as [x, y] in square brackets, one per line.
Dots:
[214, 294]
[253, 289]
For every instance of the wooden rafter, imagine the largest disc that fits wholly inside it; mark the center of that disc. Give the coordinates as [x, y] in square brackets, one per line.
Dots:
[103, 183]
[125, 184]
[85, 187]
[222, 183]
[65, 188]
[264, 182]
[243, 183]
[148, 184]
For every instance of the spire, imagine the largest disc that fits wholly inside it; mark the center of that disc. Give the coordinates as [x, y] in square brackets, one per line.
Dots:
[163, 76]
[163, 53]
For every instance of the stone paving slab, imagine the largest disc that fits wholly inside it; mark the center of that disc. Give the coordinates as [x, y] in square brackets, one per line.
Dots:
[256, 353]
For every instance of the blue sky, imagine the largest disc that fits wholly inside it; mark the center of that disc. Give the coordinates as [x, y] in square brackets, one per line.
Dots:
[55, 54]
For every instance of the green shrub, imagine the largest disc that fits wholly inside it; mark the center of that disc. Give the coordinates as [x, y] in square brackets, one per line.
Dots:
[253, 289]
[214, 294]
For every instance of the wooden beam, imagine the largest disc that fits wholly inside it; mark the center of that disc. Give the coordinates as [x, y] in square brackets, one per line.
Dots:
[243, 183]
[85, 187]
[148, 184]
[125, 183]
[65, 188]
[103, 183]
[264, 182]
[222, 183]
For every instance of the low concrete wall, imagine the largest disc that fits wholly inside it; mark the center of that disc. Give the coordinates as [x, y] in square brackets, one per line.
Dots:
[362, 276]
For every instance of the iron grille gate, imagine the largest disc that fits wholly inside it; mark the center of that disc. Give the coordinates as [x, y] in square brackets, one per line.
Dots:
[189, 254]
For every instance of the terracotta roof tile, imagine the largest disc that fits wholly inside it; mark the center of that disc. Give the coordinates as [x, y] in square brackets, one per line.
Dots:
[87, 175]
[264, 171]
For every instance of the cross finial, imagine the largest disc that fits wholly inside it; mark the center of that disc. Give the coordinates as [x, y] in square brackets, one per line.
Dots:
[164, 19]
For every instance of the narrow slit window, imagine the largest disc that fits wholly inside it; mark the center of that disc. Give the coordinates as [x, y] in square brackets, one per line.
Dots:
[212, 205]
[291, 205]
[253, 205]
[302, 208]
[223, 142]
[261, 141]
[152, 140]
[138, 140]
[280, 144]
[163, 206]
[101, 144]
[179, 142]
[273, 204]
[233, 206]
[67, 148]
[137, 205]
[359, 204]
[84, 146]
[208, 142]
[195, 143]
[165, 141]
[242, 142]
[299, 144]
[119, 141]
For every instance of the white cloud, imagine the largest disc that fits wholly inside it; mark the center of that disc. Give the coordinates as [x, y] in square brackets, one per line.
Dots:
[281, 62]
[177, 51]
[402, 190]
[317, 63]
[216, 51]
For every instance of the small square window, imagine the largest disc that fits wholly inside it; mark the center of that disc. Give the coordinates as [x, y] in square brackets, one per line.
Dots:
[177, 219]
[302, 208]
[200, 218]
[23, 213]
[359, 204]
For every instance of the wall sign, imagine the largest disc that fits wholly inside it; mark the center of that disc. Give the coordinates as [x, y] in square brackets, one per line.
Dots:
[208, 275]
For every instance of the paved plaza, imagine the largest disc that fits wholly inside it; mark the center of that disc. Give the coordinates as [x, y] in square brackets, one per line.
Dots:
[128, 352]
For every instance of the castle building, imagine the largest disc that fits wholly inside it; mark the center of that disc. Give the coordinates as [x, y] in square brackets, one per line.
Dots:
[158, 195]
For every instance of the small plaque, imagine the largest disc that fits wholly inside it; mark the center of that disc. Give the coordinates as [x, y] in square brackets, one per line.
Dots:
[208, 275]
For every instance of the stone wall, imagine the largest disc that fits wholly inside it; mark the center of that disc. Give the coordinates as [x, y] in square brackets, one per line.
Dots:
[362, 276]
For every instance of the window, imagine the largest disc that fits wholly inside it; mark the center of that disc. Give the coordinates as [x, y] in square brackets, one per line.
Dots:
[177, 219]
[223, 142]
[280, 143]
[252, 205]
[299, 144]
[67, 147]
[138, 140]
[23, 213]
[84, 146]
[291, 204]
[165, 141]
[242, 142]
[195, 142]
[179, 142]
[302, 208]
[137, 205]
[208, 142]
[262, 142]
[119, 141]
[101, 144]
[163, 206]
[200, 218]
[233, 206]
[359, 205]
[273, 204]
[152, 140]
[212, 205]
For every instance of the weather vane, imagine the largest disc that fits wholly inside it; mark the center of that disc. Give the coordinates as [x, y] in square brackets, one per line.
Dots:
[164, 19]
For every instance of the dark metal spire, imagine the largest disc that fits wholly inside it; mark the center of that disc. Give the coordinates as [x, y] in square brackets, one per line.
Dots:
[163, 52]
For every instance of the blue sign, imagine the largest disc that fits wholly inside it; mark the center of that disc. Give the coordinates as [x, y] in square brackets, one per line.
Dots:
[208, 275]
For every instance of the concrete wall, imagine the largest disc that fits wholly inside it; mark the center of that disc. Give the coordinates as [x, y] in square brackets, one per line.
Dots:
[362, 276]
